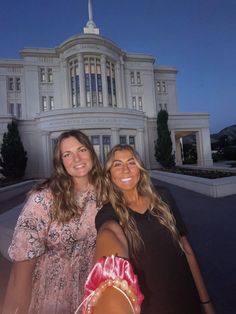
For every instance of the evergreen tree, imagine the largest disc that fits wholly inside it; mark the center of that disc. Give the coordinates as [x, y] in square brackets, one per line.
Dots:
[163, 147]
[13, 156]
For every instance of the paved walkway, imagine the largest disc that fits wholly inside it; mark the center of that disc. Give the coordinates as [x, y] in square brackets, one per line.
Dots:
[9, 211]
[212, 233]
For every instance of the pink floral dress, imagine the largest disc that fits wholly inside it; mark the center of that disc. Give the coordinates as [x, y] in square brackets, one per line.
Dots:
[64, 251]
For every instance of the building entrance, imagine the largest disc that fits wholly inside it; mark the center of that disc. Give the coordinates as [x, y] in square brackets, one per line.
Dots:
[102, 145]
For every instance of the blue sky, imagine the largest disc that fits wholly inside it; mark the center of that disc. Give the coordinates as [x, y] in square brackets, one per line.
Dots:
[198, 37]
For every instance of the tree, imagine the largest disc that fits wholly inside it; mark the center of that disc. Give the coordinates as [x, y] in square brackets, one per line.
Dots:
[224, 141]
[13, 158]
[163, 147]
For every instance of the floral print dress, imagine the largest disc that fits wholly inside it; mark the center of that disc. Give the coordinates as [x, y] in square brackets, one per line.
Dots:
[64, 251]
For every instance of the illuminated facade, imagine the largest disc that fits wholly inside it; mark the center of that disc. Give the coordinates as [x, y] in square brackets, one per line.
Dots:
[90, 83]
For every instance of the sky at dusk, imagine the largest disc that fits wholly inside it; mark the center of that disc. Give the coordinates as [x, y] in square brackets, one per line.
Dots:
[198, 37]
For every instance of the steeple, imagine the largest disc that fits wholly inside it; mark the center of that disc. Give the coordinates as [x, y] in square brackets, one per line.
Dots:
[91, 26]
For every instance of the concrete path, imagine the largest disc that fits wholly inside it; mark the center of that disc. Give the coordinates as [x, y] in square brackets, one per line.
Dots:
[9, 212]
[212, 232]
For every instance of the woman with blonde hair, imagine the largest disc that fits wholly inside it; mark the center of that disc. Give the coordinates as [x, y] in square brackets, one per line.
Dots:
[141, 226]
[55, 235]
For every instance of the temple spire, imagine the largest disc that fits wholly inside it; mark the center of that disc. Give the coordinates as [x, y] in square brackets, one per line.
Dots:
[91, 26]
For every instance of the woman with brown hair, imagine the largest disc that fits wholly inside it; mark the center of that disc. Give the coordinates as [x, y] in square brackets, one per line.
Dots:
[55, 235]
[138, 226]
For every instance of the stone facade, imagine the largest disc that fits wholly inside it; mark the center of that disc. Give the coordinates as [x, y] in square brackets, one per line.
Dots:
[90, 83]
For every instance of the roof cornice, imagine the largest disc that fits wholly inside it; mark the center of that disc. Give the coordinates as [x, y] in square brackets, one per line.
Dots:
[89, 39]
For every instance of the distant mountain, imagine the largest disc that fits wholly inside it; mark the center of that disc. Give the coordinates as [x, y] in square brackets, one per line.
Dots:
[230, 131]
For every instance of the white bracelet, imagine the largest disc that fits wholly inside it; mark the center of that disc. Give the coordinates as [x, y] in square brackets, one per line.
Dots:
[118, 284]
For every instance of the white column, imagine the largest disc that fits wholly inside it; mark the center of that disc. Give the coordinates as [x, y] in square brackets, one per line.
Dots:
[81, 80]
[114, 136]
[140, 146]
[204, 148]
[3, 93]
[118, 85]
[46, 158]
[122, 77]
[149, 147]
[199, 150]
[173, 140]
[172, 135]
[64, 86]
[104, 81]
[178, 152]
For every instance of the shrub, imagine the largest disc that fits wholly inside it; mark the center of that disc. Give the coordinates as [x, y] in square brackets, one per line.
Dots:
[163, 147]
[13, 158]
[229, 153]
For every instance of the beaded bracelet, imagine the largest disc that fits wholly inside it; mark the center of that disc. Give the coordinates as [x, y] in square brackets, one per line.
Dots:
[121, 286]
[111, 271]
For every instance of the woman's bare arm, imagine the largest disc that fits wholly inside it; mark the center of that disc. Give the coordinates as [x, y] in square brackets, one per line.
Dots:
[111, 241]
[197, 276]
[18, 294]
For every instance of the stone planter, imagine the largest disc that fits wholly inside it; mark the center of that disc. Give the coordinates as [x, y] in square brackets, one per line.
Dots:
[211, 187]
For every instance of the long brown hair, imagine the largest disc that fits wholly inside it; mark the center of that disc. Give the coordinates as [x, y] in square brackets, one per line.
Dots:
[61, 183]
[157, 207]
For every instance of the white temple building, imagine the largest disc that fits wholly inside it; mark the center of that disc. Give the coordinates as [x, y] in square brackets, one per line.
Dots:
[89, 83]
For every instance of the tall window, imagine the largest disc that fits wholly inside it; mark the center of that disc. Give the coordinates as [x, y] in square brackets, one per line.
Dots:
[74, 81]
[134, 102]
[161, 87]
[50, 77]
[46, 75]
[42, 75]
[111, 84]
[18, 110]
[18, 87]
[138, 78]
[106, 141]
[164, 87]
[51, 103]
[132, 81]
[99, 82]
[44, 103]
[132, 141]
[158, 86]
[11, 109]
[95, 140]
[14, 83]
[134, 75]
[123, 139]
[93, 81]
[140, 103]
[10, 83]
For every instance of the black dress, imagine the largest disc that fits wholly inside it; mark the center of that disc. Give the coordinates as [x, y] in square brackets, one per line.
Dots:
[163, 272]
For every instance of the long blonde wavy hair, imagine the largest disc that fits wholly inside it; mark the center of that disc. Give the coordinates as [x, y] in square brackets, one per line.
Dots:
[157, 207]
[61, 183]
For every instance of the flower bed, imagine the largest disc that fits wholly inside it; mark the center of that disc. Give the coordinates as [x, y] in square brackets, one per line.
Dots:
[209, 174]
